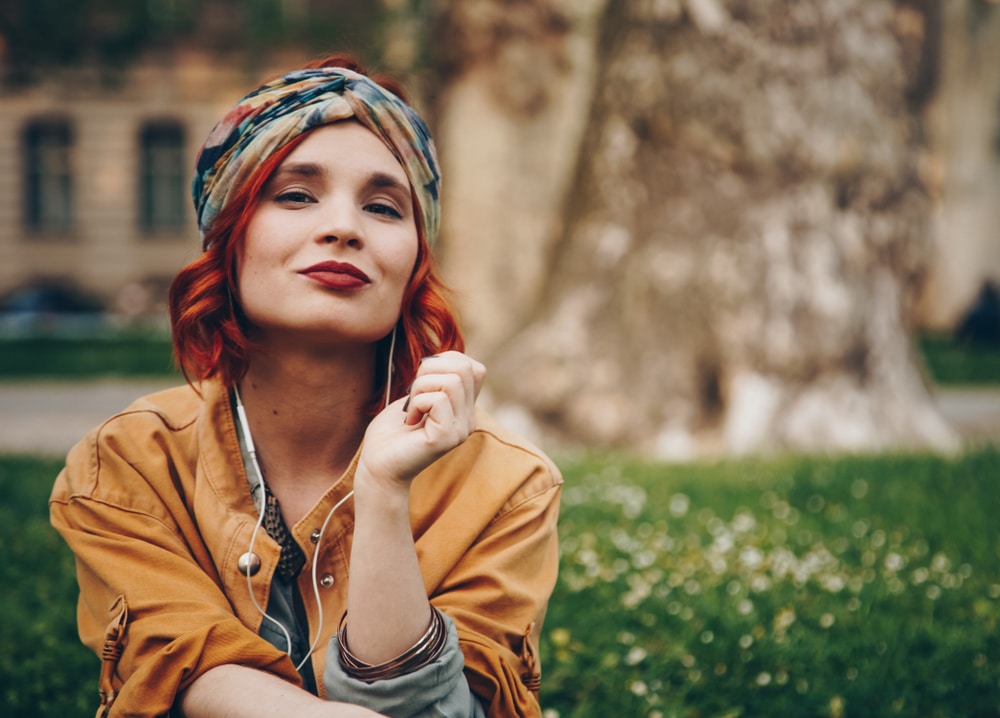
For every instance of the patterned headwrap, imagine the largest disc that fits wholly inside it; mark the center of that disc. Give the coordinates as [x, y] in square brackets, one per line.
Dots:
[284, 108]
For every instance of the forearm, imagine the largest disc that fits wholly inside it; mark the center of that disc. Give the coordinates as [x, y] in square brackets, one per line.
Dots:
[387, 605]
[232, 691]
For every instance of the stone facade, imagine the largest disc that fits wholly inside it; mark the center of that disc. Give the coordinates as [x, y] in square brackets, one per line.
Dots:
[104, 249]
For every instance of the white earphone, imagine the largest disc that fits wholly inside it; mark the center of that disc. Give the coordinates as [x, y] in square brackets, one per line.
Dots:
[258, 493]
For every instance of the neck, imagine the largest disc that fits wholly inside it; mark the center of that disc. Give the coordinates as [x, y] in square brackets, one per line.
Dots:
[307, 413]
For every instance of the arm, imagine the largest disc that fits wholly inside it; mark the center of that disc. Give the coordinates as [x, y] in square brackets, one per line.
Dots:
[387, 604]
[231, 690]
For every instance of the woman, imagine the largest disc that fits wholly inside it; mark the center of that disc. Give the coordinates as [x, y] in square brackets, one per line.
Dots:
[322, 513]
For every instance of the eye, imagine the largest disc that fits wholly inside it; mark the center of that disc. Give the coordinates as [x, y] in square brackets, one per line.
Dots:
[383, 209]
[294, 197]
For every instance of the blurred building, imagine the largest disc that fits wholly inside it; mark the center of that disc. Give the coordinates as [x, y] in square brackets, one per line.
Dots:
[95, 175]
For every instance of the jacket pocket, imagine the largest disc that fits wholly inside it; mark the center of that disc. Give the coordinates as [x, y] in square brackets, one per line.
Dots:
[111, 653]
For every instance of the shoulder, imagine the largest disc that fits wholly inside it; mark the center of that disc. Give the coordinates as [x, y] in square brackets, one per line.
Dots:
[499, 467]
[155, 429]
[494, 441]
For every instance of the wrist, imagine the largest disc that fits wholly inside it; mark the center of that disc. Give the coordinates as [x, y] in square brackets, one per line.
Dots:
[386, 494]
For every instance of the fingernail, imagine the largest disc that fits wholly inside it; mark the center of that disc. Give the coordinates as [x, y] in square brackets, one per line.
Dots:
[432, 356]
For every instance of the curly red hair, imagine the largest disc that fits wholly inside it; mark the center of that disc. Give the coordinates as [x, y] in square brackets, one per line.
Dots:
[210, 336]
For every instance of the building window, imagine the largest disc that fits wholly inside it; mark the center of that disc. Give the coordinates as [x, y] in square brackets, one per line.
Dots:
[48, 145]
[162, 175]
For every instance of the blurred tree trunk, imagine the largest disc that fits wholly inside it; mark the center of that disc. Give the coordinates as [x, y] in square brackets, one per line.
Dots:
[963, 122]
[726, 252]
[516, 79]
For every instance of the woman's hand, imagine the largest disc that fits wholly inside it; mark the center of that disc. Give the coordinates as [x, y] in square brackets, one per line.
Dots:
[438, 415]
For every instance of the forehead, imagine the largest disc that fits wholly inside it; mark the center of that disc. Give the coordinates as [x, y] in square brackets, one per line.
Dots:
[347, 144]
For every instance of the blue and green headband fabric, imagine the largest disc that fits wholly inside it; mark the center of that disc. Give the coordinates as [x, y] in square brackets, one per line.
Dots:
[286, 107]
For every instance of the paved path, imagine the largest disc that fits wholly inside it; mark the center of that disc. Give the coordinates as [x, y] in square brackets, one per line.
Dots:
[49, 417]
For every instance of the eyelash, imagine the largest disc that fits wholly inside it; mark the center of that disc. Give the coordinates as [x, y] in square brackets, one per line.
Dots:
[299, 197]
[294, 196]
[383, 209]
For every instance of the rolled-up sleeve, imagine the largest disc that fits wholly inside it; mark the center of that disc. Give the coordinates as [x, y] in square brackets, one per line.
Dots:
[437, 690]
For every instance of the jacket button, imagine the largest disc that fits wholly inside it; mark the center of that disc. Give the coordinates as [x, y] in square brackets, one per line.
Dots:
[314, 536]
[326, 581]
[248, 564]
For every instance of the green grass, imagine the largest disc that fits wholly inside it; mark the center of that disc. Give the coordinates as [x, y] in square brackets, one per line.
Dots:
[806, 587]
[862, 586]
[44, 669]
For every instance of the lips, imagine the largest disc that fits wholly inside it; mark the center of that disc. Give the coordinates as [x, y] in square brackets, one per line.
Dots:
[337, 275]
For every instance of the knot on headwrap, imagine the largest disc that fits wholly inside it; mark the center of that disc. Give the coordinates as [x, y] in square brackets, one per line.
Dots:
[284, 108]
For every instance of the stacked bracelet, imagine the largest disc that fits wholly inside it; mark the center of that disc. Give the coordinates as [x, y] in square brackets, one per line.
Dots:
[423, 652]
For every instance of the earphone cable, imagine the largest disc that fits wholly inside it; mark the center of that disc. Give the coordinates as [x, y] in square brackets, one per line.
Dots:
[259, 495]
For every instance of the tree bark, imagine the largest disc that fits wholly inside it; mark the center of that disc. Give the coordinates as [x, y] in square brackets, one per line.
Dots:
[963, 164]
[734, 266]
[517, 78]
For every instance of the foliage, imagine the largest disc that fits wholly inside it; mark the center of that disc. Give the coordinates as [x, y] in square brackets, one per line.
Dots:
[796, 586]
[40, 34]
[86, 357]
[950, 361]
[852, 587]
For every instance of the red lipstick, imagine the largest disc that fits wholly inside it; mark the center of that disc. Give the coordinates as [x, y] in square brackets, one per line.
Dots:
[337, 275]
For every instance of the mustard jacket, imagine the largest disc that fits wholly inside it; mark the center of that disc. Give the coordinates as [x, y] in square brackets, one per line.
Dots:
[156, 507]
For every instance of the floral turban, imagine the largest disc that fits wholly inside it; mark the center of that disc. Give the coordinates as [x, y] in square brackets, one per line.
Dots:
[282, 109]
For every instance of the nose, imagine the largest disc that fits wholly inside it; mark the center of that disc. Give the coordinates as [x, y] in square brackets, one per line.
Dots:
[340, 224]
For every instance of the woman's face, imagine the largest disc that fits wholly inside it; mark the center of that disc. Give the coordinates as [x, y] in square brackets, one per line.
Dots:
[331, 247]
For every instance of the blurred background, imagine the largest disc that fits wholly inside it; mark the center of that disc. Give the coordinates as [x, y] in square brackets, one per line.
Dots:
[684, 228]
[733, 263]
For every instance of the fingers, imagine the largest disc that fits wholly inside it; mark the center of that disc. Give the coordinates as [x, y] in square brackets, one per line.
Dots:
[448, 385]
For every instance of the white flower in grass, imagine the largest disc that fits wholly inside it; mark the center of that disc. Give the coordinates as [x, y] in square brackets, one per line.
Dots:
[878, 538]
[635, 655]
[894, 562]
[826, 620]
[639, 688]
[763, 678]
[679, 504]
[752, 557]
[832, 583]
[744, 522]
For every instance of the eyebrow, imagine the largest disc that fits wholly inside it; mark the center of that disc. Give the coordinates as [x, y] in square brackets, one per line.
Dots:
[381, 180]
[378, 180]
[300, 169]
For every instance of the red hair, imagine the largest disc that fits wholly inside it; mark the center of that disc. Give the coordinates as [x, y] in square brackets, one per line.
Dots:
[210, 336]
